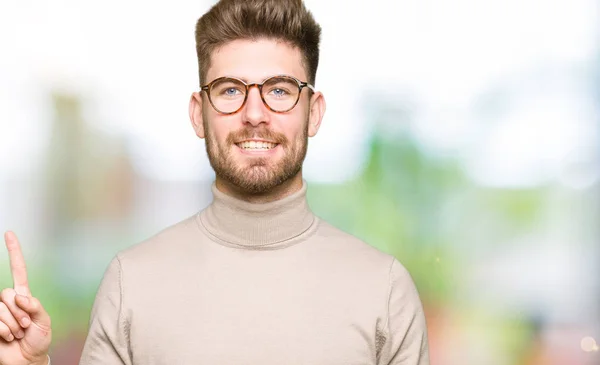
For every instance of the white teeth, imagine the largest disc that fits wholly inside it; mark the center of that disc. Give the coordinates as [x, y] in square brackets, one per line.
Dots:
[254, 145]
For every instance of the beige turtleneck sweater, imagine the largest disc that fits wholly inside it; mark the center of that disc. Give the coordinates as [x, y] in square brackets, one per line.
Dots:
[256, 284]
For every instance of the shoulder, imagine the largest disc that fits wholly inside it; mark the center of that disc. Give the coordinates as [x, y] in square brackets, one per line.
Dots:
[164, 243]
[353, 249]
[362, 254]
[335, 236]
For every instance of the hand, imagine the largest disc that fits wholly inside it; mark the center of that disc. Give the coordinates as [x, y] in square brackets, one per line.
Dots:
[25, 330]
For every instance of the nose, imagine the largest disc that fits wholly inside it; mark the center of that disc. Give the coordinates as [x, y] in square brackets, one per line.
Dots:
[255, 111]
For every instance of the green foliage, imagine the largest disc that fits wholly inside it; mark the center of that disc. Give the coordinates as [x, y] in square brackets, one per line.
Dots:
[394, 206]
[422, 209]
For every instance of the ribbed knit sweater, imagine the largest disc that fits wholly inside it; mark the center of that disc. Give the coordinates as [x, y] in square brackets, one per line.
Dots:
[241, 283]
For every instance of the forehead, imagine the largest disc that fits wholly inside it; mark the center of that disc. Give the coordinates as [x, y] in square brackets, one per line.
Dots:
[255, 60]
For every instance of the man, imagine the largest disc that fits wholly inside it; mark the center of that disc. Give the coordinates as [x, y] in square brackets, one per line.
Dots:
[256, 277]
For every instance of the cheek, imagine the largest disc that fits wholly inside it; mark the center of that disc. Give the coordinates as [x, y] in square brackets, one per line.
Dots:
[216, 128]
[294, 126]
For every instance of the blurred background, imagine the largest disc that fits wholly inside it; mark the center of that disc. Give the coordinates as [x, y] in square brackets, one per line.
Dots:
[461, 136]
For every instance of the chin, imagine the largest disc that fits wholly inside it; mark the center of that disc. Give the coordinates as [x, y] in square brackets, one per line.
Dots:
[260, 179]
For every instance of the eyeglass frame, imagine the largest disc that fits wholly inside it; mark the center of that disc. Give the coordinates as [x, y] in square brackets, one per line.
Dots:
[301, 85]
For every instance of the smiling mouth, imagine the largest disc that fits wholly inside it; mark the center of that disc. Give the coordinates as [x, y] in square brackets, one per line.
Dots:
[256, 145]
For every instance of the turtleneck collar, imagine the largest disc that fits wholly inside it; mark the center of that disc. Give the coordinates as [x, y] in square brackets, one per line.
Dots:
[248, 225]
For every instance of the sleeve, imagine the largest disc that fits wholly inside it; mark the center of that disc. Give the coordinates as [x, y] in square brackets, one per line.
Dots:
[405, 330]
[107, 341]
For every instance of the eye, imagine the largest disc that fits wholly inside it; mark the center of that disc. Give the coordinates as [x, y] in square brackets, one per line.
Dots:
[232, 91]
[280, 88]
[228, 88]
[279, 92]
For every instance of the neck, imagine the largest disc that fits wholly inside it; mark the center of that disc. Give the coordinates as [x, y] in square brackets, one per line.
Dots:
[273, 224]
[279, 192]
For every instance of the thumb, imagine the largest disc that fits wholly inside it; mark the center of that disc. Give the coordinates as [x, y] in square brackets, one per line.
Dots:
[33, 307]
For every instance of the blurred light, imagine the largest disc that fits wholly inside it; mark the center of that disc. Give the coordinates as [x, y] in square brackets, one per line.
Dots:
[588, 344]
[535, 142]
[581, 169]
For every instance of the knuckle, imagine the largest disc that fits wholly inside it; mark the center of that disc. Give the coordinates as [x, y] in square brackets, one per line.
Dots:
[35, 303]
[5, 313]
[7, 294]
[18, 313]
[9, 322]
[4, 330]
[12, 311]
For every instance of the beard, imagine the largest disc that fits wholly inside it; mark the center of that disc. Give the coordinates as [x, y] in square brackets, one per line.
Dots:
[261, 174]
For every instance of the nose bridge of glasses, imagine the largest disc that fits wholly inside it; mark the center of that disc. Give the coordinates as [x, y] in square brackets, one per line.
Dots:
[249, 99]
[250, 86]
[258, 89]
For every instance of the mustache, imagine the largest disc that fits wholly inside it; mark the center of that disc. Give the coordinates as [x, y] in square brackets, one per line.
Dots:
[256, 133]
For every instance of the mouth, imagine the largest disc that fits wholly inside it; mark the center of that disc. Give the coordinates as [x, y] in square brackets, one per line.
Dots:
[256, 145]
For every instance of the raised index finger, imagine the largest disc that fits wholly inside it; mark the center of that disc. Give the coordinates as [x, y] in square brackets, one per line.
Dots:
[17, 264]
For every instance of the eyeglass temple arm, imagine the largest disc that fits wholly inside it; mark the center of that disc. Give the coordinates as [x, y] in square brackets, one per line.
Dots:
[306, 84]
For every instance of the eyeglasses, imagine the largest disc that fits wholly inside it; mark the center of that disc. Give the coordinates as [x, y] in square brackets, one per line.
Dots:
[280, 94]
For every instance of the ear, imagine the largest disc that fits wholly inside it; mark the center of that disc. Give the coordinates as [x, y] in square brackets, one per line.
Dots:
[196, 114]
[317, 110]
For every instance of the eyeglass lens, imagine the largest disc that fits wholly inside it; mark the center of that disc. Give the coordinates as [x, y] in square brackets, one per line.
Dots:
[279, 93]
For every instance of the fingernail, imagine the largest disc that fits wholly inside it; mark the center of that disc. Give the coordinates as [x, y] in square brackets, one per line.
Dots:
[10, 337]
[25, 322]
[20, 334]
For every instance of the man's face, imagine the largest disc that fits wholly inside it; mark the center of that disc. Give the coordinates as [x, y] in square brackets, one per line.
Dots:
[257, 149]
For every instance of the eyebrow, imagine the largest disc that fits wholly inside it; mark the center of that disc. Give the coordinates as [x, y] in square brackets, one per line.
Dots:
[237, 77]
[248, 82]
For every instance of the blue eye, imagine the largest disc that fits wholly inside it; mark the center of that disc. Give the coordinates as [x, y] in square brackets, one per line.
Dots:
[231, 91]
[279, 92]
